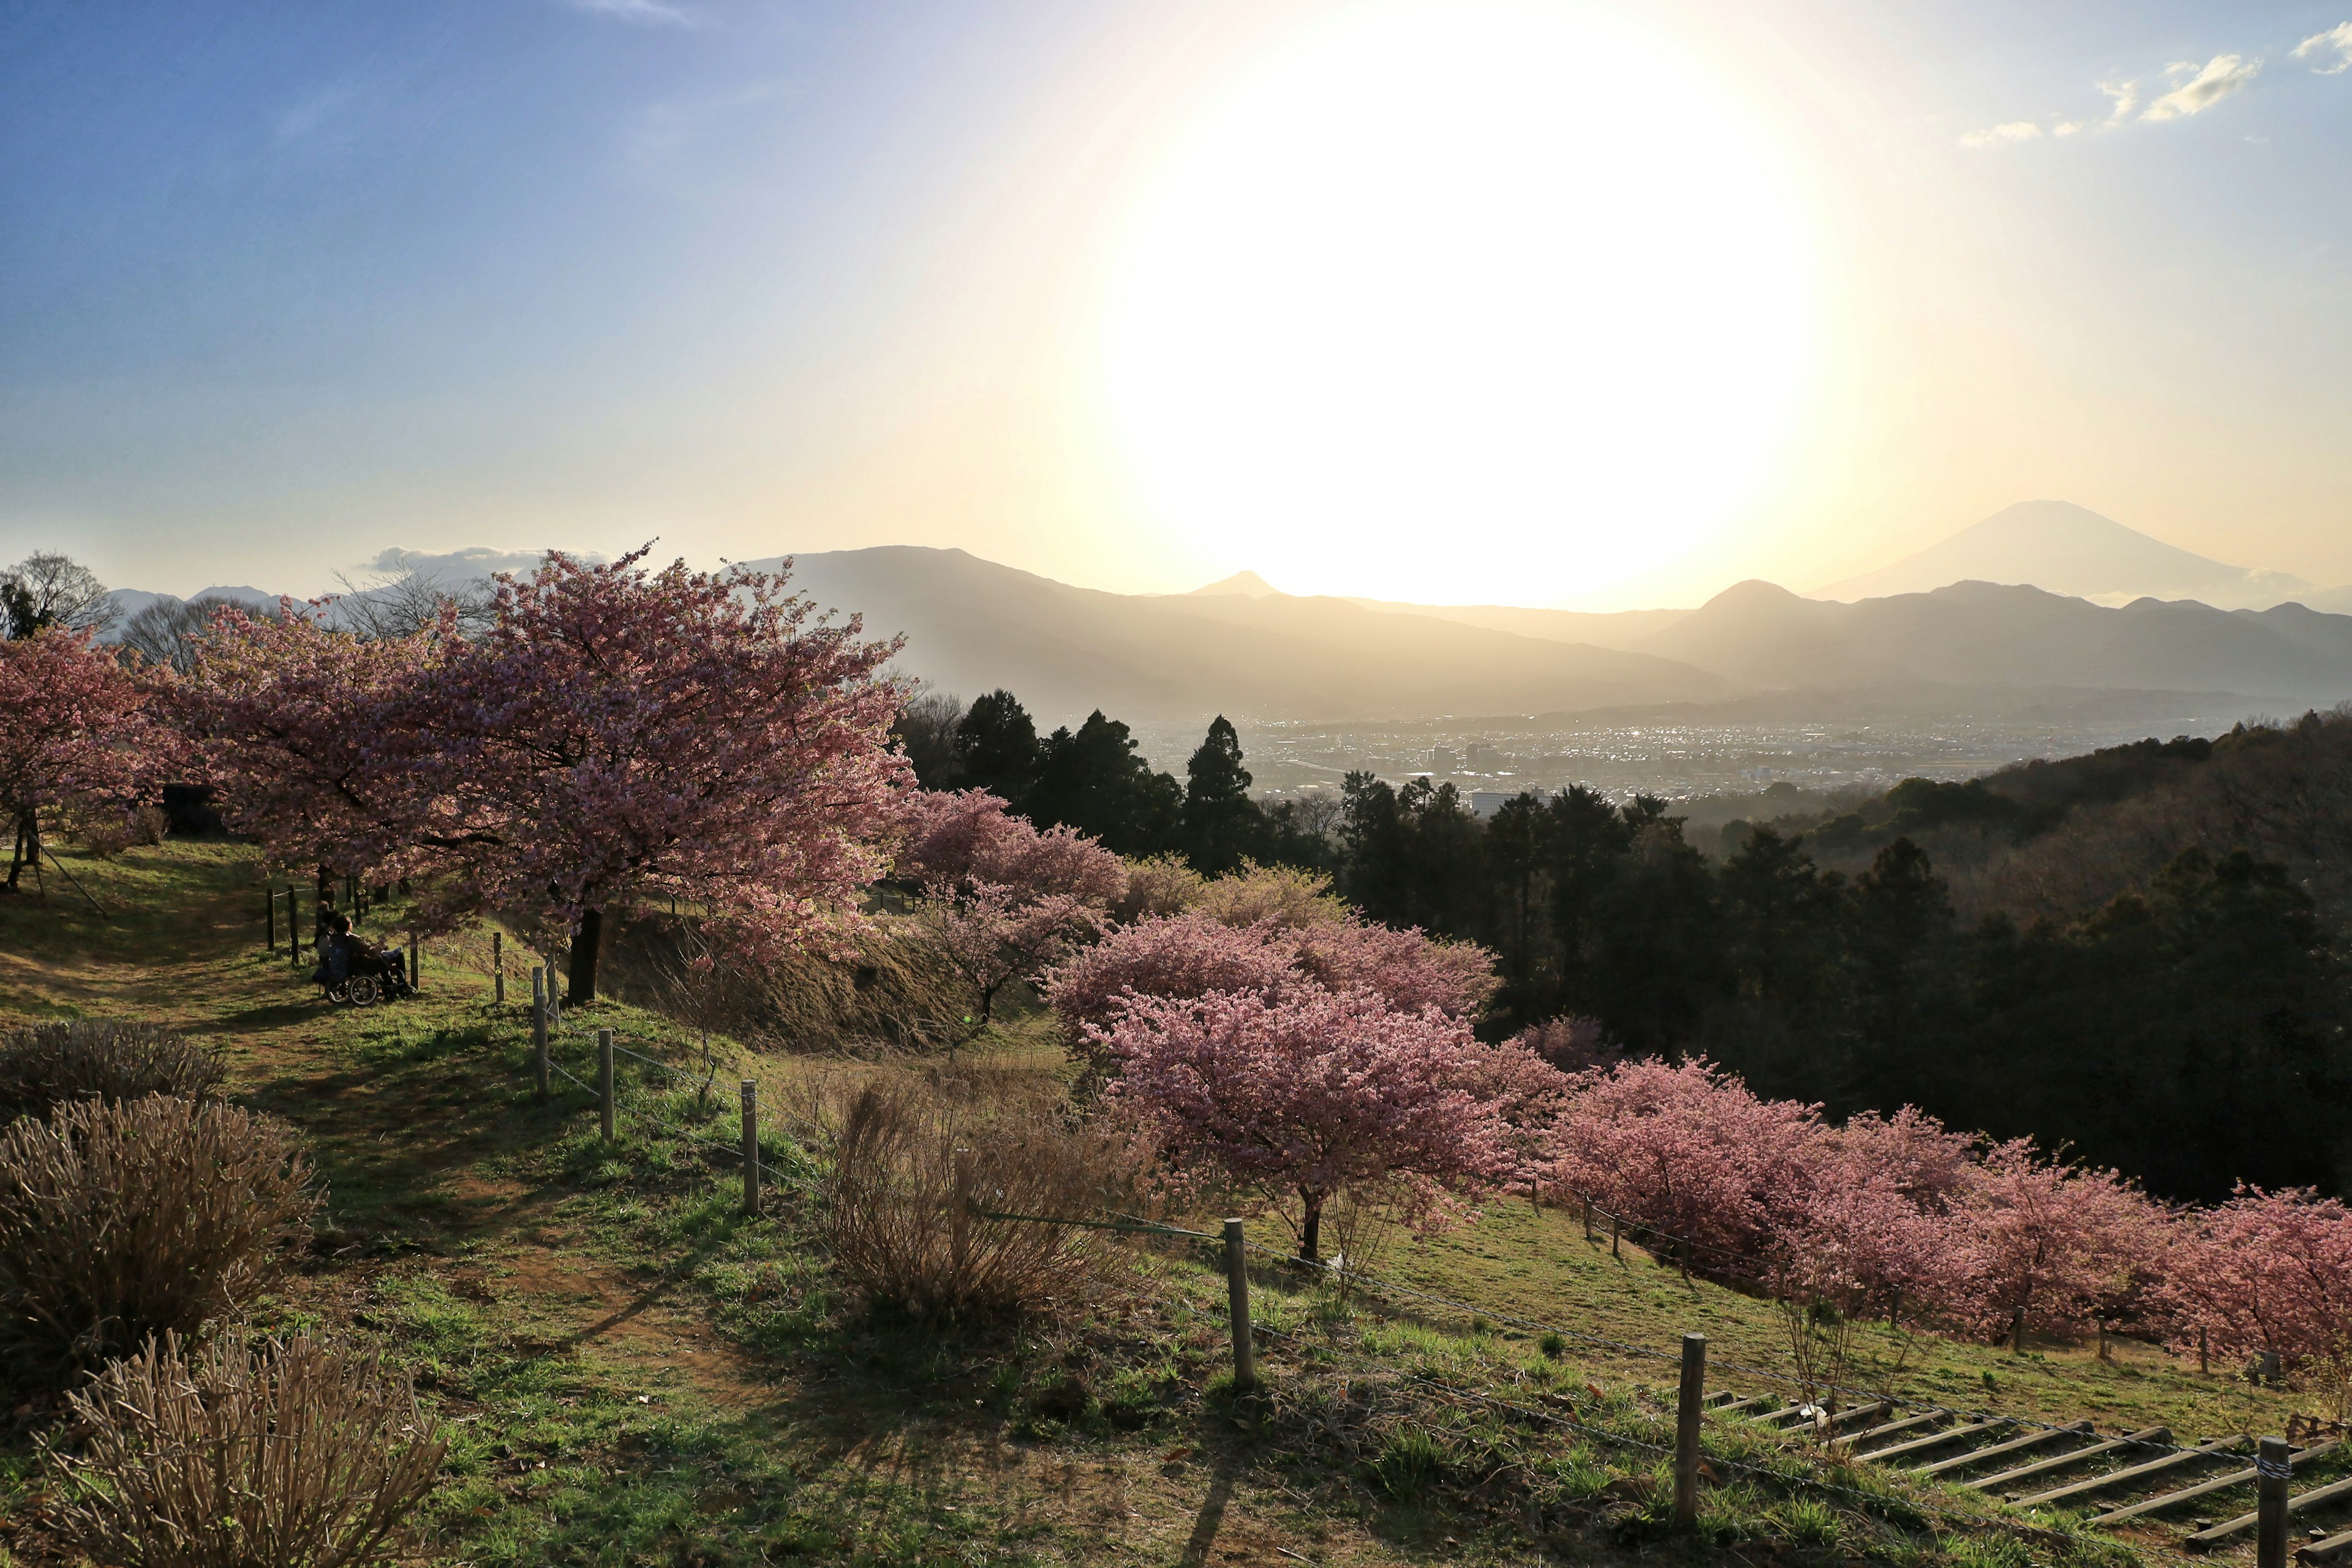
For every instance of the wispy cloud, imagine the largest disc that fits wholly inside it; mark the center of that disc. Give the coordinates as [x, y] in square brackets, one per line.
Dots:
[642, 13]
[2126, 95]
[2335, 42]
[2015, 131]
[313, 115]
[2196, 91]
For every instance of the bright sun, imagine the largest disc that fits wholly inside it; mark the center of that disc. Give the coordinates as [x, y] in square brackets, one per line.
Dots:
[1459, 303]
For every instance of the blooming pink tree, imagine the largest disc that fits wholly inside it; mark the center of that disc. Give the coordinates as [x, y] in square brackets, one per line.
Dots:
[620, 735]
[2265, 1271]
[1688, 1150]
[1530, 1098]
[75, 732]
[970, 839]
[1310, 1095]
[1191, 955]
[2037, 1244]
[295, 724]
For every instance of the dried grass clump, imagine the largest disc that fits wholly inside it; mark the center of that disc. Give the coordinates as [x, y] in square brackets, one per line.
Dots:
[122, 1221]
[48, 1065]
[305, 1456]
[890, 988]
[916, 1171]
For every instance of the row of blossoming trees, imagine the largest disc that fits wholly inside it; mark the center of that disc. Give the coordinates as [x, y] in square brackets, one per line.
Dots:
[1265, 1034]
[619, 736]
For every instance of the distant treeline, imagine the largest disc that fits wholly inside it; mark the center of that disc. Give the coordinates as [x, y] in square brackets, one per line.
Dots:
[2154, 969]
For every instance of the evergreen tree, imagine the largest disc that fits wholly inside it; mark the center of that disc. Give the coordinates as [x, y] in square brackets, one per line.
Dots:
[1093, 781]
[1221, 825]
[996, 748]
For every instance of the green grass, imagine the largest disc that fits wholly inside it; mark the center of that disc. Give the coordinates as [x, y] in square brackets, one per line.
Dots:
[635, 1373]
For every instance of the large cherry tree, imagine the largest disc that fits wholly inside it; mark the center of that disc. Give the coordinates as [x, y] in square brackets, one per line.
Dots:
[620, 735]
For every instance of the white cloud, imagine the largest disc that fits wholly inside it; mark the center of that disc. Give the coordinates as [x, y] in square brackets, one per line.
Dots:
[643, 13]
[2196, 91]
[2067, 127]
[2127, 97]
[2015, 131]
[474, 561]
[2335, 41]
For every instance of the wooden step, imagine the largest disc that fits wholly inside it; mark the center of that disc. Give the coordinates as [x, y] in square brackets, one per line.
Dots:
[1937, 1439]
[2014, 1445]
[2138, 1439]
[2206, 1539]
[1895, 1428]
[1863, 1415]
[2201, 1490]
[2326, 1551]
[1742, 1406]
[2215, 1449]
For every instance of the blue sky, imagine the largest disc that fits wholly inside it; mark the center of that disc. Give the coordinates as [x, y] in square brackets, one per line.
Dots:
[286, 286]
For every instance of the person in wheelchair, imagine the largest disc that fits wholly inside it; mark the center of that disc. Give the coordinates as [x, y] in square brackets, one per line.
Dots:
[347, 955]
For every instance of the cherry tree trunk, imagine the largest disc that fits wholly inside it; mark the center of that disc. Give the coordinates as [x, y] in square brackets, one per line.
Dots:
[1310, 1229]
[581, 981]
[28, 847]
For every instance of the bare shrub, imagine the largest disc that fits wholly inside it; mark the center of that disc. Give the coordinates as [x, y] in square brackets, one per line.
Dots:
[888, 988]
[149, 826]
[47, 1065]
[304, 1455]
[918, 1171]
[102, 834]
[122, 1221]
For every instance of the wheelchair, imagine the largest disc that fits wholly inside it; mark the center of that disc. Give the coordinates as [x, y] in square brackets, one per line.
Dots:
[380, 978]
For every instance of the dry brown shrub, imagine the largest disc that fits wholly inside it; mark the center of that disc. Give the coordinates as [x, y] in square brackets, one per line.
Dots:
[922, 1174]
[149, 826]
[120, 1222]
[889, 990]
[304, 1455]
[47, 1065]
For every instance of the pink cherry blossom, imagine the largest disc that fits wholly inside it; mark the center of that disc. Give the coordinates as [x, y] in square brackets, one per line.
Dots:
[76, 729]
[1308, 1095]
[2265, 1271]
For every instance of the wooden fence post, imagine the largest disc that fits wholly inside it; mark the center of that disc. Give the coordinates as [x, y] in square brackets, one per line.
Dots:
[1588, 1218]
[750, 1147]
[293, 930]
[539, 1029]
[1687, 1412]
[2204, 1351]
[2273, 1469]
[499, 964]
[269, 919]
[604, 1078]
[416, 965]
[1614, 1229]
[1237, 1297]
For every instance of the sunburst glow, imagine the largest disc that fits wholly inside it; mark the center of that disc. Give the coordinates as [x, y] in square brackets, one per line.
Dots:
[1453, 283]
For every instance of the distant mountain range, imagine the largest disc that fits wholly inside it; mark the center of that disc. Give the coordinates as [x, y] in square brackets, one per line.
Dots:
[2067, 548]
[1244, 649]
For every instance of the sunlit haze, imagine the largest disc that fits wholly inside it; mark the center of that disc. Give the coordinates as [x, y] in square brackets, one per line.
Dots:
[1402, 306]
[1598, 305]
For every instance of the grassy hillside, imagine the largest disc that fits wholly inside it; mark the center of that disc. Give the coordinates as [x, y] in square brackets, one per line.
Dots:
[638, 1375]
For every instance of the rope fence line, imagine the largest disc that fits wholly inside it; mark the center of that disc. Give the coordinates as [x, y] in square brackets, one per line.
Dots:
[1397, 1289]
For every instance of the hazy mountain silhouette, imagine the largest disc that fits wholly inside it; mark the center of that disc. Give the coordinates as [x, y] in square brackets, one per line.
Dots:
[1249, 584]
[972, 626]
[2067, 548]
[1988, 635]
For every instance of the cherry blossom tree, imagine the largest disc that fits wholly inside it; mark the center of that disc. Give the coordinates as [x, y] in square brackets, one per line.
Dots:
[621, 735]
[2037, 1244]
[1191, 955]
[1688, 1150]
[1529, 1097]
[993, 935]
[76, 732]
[2265, 1271]
[970, 837]
[1311, 1095]
[306, 733]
